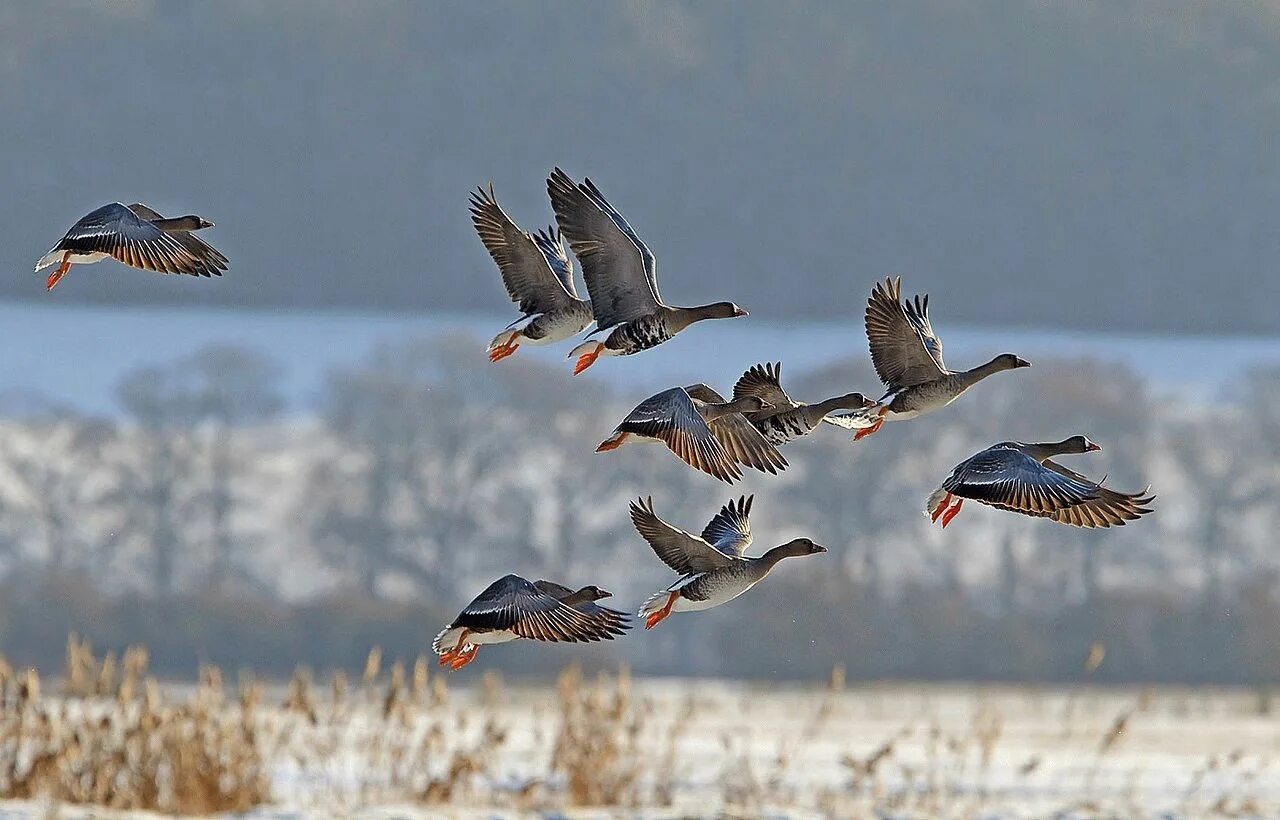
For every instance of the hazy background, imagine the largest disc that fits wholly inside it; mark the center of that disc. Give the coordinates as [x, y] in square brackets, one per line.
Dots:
[311, 454]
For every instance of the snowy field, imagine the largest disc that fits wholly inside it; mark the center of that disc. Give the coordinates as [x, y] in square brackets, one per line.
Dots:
[663, 748]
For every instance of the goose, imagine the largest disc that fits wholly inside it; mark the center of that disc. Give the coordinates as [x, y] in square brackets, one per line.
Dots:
[538, 276]
[137, 236]
[713, 568]
[785, 418]
[513, 607]
[1023, 478]
[621, 276]
[702, 429]
[908, 358]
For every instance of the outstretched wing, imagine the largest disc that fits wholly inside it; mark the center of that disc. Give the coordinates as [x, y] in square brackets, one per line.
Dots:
[739, 437]
[118, 232]
[747, 445]
[904, 349]
[214, 261]
[672, 417]
[527, 271]
[551, 243]
[617, 267]
[730, 530]
[613, 621]
[1110, 507]
[513, 603]
[685, 553]
[1004, 477]
[764, 382]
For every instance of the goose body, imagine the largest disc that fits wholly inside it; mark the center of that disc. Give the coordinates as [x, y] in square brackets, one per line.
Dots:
[1023, 478]
[713, 569]
[538, 277]
[785, 419]
[907, 356]
[513, 607]
[136, 236]
[621, 276]
[702, 429]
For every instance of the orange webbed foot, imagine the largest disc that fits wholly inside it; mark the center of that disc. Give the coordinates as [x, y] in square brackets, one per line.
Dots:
[63, 267]
[587, 359]
[941, 508]
[501, 352]
[658, 617]
[463, 658]
[866, 431]
[952, 513]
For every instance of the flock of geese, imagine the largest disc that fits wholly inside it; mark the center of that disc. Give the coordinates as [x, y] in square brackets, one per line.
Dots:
[709, 432]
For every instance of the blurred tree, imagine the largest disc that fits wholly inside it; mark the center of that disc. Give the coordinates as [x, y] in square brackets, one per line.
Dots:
[230, 388]
[55, 467]
[154, 476]
[187, 463]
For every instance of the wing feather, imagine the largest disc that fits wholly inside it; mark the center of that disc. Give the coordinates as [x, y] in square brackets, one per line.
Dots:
[672, 417]
[214, 262]
[618, 268]
[730, 530]
[528, 267]
[904, 349]
[684, 552]
[1006, 478]
[764, 382]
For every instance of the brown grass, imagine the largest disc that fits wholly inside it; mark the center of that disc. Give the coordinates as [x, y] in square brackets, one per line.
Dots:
[127, 752]
[111, 736]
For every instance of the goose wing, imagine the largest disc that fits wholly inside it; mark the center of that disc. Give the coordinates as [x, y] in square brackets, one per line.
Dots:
[611, 620]
[904, 349]
[739, 437]
[214, 261]
[516, 604]
[1109, 509]
[118, 232]
[730, 530]
[618, 268]
[672, 417]
[551, 243]
[764, 382]
[685, 553]
[1004, 477]
[528, 267]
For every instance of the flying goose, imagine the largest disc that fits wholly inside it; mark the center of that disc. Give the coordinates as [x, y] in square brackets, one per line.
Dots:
[138, 237]
[908, 358]
[1023, 478]
[512, 607]
[621, 276]
[538, 276]
[712, 567]
[785, 418]
[702, 429]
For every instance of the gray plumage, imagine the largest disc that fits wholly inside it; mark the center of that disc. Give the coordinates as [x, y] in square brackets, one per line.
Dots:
[1024, 478]
[907, 356]
[710, 575]
[785, 418]
[621, 275]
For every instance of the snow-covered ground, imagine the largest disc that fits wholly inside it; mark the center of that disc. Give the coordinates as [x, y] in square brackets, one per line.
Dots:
[697, 748]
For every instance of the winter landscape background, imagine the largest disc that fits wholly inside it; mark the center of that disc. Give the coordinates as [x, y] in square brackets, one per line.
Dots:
[261, 478]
